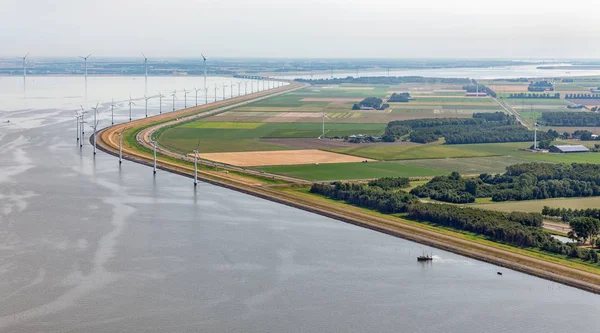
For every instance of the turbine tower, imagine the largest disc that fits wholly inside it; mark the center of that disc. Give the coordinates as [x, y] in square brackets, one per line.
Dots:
[205, 95]
[216, 88]
[196, 95]
[160, 97]
[185, 93]
[147, 98]
[130, 104]
[112, 112]
[85, 64]
[146, 71]
[174, 95]
[95, 126]
[196, 164]
[204, 60]
[224, 86]
[24, 65]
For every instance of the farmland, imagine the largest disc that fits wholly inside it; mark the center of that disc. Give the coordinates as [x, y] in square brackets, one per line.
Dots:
[351, 171]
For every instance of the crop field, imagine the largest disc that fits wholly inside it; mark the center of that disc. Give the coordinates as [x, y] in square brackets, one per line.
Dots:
[342, 171]
[231, 137]
[469, 165]
[433, 150]
[537, 205]
[281, 157]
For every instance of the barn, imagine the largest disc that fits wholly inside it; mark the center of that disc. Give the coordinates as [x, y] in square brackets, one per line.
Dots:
[566, 149]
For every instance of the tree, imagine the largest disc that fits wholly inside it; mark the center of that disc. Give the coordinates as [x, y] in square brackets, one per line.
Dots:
[585, 227]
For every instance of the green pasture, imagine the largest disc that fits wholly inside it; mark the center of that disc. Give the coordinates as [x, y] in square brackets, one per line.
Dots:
[469, 165]
[537, 205]
[341, 171]
[433, 150]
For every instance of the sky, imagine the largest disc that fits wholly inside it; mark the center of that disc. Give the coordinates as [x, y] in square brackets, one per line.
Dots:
[524, 29]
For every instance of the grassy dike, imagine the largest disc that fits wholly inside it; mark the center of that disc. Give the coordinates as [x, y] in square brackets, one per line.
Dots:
[542, 265]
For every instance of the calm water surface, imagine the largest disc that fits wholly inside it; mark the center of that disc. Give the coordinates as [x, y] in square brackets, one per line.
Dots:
[88, 246]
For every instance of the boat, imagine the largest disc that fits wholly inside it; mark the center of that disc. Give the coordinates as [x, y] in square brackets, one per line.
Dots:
[499, 273]
[424, 257]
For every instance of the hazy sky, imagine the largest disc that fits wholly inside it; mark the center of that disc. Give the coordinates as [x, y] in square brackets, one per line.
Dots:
[302, 28]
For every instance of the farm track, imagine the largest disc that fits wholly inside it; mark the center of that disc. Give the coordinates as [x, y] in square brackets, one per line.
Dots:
[108, 142]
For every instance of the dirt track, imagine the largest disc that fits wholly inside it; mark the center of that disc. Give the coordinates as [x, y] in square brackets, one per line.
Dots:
[108, 141]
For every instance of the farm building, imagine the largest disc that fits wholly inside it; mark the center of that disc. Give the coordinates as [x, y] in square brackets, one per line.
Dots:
[564, 149]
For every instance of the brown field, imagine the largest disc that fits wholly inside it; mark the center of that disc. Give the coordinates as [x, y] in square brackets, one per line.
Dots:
[281, 157]
[348, 88]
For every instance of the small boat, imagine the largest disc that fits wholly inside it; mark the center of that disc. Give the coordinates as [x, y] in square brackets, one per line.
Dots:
[499, 273]
[424, 257]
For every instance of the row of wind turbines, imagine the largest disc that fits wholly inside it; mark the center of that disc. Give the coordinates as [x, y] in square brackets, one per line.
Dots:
[80, 114]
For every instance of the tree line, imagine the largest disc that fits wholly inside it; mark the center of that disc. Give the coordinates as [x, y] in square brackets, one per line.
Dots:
[473, 86]
[540, 86]
[570, 119]
[520, 182]
[481, 128]
[534, 95]
[582, 96]
[371, 102]
[516, 228]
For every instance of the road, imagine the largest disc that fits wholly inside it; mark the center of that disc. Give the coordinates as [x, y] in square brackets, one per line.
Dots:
[512, 111]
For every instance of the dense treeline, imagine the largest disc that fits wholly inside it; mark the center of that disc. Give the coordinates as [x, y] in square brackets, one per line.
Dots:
[516, 228]
[570, 119]
[387, 80]
[371, 102]
[400, 97]
[388, 200]
[520, 182]
[567, 214]
[582, 96]
[482, 128]
[495, 225]
[387, 183]
[534, 95]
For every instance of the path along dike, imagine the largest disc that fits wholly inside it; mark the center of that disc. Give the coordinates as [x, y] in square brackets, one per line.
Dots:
[108, 141]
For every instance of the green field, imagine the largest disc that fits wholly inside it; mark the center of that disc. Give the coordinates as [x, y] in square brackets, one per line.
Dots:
[470, 165]
[537, 205]
[231, 136]
[340, 171]
[433, 150]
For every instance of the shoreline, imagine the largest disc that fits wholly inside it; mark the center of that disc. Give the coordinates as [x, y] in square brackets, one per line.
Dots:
[393, 226]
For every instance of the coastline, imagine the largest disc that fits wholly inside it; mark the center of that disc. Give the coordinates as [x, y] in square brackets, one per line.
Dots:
[390, 225]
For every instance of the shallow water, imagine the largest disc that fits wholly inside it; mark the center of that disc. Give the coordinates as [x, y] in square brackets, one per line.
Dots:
[88, 246]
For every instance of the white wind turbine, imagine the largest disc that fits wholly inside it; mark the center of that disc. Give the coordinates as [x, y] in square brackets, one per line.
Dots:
[231, 88]
[130, 104]
[112, 112]
[224, 86]
[205, 95]
[147, 98]
[160, 97]
[174, 94]
[185, 93]
[196, 164]
[239, 87]
[196, 95]
[204, 60]
[216, 88]
[24, 65]
[95, 125]
[146, 71]
[85, 59]
[81, 126]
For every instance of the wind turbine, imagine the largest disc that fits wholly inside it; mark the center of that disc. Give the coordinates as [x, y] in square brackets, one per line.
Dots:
[239, 87]
[112, 112]
[204, 60]
[77, 117]
[185, 93]
[81, 126]
[146, 69]
[130, 104]
[196, 164]
[196, 95]
[245, 87]
[147, 98]
[224, 86]
[231, 88]
[205, 95]
[174, 94]
[85, 63]
[216, 88]
[160, 97]
[24, 65]
[82, 113]
[95, 126]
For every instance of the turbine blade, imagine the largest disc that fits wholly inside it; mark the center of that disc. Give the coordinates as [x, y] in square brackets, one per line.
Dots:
[88, 55]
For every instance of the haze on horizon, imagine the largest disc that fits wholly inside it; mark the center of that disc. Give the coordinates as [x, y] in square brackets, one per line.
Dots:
[511, 29]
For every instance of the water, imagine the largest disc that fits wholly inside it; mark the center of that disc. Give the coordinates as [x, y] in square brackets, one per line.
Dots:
[506, 72]
[88, 246]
